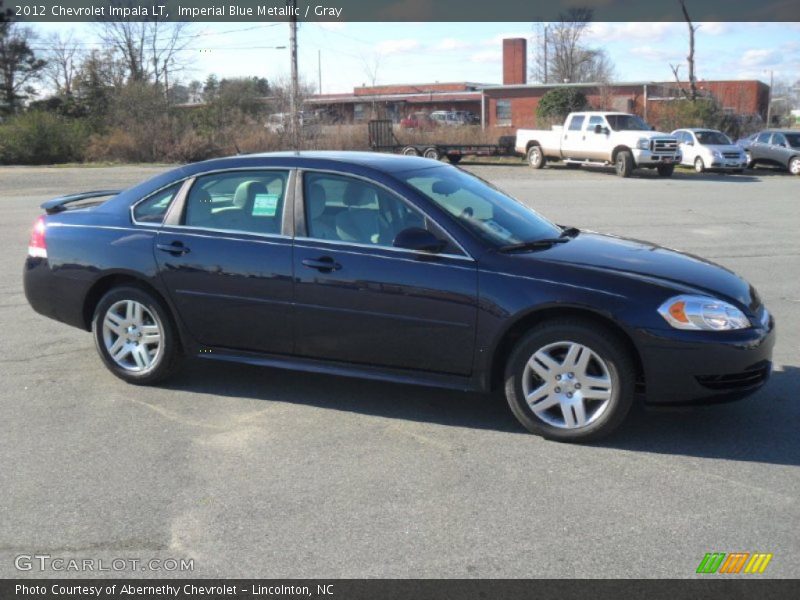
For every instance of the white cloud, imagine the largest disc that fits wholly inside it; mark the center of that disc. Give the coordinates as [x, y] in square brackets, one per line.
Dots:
[397, 46]
[487, 56]
[600, 33]
[497, 40]
[654, 54]
[760, 57]
[447, 44]
[331, 25]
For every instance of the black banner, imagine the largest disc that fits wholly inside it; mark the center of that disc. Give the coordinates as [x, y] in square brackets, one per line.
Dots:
[376, 589]
[394, 10]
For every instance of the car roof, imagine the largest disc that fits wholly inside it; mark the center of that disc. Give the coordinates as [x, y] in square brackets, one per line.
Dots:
[379, 161]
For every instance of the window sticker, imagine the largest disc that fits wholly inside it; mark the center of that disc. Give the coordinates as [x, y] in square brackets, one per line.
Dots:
[265, 205]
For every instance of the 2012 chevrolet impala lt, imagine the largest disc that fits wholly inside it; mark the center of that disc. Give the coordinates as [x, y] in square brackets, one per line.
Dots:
[394, 268]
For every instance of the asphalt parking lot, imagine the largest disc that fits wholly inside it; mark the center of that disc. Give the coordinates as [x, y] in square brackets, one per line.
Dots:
[259, 472]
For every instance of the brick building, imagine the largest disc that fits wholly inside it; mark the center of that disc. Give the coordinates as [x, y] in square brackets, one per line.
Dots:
[513, 103]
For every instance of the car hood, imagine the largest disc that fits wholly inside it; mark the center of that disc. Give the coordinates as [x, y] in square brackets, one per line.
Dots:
[649, 262]
[722, 147]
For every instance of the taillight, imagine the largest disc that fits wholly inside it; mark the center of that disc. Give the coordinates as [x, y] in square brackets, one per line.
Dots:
[37, 246]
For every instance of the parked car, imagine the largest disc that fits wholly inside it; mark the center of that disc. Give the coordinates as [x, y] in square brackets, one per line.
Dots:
[709, 149]
[601, 138]
[445, 117]
[418, 120]
[398, 269]
[777, 148]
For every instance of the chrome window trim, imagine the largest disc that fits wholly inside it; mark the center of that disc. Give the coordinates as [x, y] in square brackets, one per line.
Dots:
[307, 240]
[302, 204]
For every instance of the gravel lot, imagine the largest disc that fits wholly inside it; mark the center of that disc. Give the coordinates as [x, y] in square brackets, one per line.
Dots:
[258, 472]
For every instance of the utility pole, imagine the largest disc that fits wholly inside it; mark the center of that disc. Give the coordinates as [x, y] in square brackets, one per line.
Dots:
[544, 48]
[769, 99]
[295, 127]
[319, 69]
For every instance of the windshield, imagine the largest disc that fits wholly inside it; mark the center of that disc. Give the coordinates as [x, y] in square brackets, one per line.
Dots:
[712, 138]
[479, 207]
[626, 123]
[793, 139]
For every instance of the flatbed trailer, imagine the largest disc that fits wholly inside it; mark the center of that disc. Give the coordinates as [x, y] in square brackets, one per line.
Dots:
[383, 139]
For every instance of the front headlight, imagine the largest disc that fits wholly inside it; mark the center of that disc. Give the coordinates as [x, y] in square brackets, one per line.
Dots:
[643, 144]
[702, 313]
[717, 154]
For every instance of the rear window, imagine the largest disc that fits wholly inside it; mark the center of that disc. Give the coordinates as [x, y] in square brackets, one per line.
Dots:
[152, 210]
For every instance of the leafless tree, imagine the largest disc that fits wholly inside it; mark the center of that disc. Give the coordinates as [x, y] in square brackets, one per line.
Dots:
[63, 60]
[562, 55]
[150, 50]
[692, 93]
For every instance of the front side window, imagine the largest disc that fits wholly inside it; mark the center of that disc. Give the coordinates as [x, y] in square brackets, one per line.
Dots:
[152, 210]
[479, 207]
[247, 201]
[778, 139]
[595, 121]
[347, 209]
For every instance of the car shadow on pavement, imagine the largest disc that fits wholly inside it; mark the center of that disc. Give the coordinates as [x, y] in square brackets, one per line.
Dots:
[761, 428]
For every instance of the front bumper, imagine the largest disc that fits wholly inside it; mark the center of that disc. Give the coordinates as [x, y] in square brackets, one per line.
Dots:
[696, 367]
[648, 158]
[728, 164]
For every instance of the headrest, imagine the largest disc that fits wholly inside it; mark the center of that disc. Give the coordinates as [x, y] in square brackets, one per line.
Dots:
[316, 199]
[358, 194]
[246, 192]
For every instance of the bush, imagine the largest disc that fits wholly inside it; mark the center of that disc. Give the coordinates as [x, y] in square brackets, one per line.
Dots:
[37, 138]
[556, 104]
[703, 112]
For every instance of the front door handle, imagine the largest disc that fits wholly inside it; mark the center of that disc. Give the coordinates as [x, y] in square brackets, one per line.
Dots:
[324, 264]
[175, 248]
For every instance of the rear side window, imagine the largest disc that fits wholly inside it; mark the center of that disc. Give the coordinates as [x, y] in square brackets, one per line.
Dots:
[152, 210]
[246, 201]
[576, 123]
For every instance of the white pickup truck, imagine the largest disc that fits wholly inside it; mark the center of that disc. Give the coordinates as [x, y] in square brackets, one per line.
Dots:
[601, 138]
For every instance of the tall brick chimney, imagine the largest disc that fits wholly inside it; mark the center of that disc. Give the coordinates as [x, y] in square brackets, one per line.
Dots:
[515, 61]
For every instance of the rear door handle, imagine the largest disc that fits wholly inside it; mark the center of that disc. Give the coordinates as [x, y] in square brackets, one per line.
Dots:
[175, 248]
[324, 264]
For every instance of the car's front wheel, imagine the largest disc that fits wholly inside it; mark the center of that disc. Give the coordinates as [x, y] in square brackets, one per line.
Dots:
[134, 336]
[794, 166]
[570, 380]
[699, 165]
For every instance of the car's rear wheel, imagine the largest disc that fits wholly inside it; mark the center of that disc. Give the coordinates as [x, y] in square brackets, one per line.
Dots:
[570, 380]
[794, 166]
[536, 157]
[699, 165]
[134, 336]
[410, 151]
[623, 163]
[432, 153]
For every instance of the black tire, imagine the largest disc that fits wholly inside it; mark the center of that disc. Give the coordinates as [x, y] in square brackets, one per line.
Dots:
[794, 166]
[623, 163]
[699, 165]
[535, 157]
[600, 340]
[410, 151]
[432, 153]
[168, 355]
[737, 171]
[665, 170]
[454, 158]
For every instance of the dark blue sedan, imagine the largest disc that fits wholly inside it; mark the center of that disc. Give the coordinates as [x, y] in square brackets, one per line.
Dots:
[394, 268]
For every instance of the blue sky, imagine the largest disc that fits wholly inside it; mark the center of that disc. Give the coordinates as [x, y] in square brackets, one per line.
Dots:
[427, 52]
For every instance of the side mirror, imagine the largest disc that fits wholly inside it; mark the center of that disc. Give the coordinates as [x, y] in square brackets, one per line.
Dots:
[598, 128]
[420, 240]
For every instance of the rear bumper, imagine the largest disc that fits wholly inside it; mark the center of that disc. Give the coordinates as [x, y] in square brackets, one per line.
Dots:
[682, 367]
[56, 297]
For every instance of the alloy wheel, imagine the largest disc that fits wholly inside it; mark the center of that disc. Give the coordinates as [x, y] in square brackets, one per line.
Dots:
[132, 335]
[567, 385]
